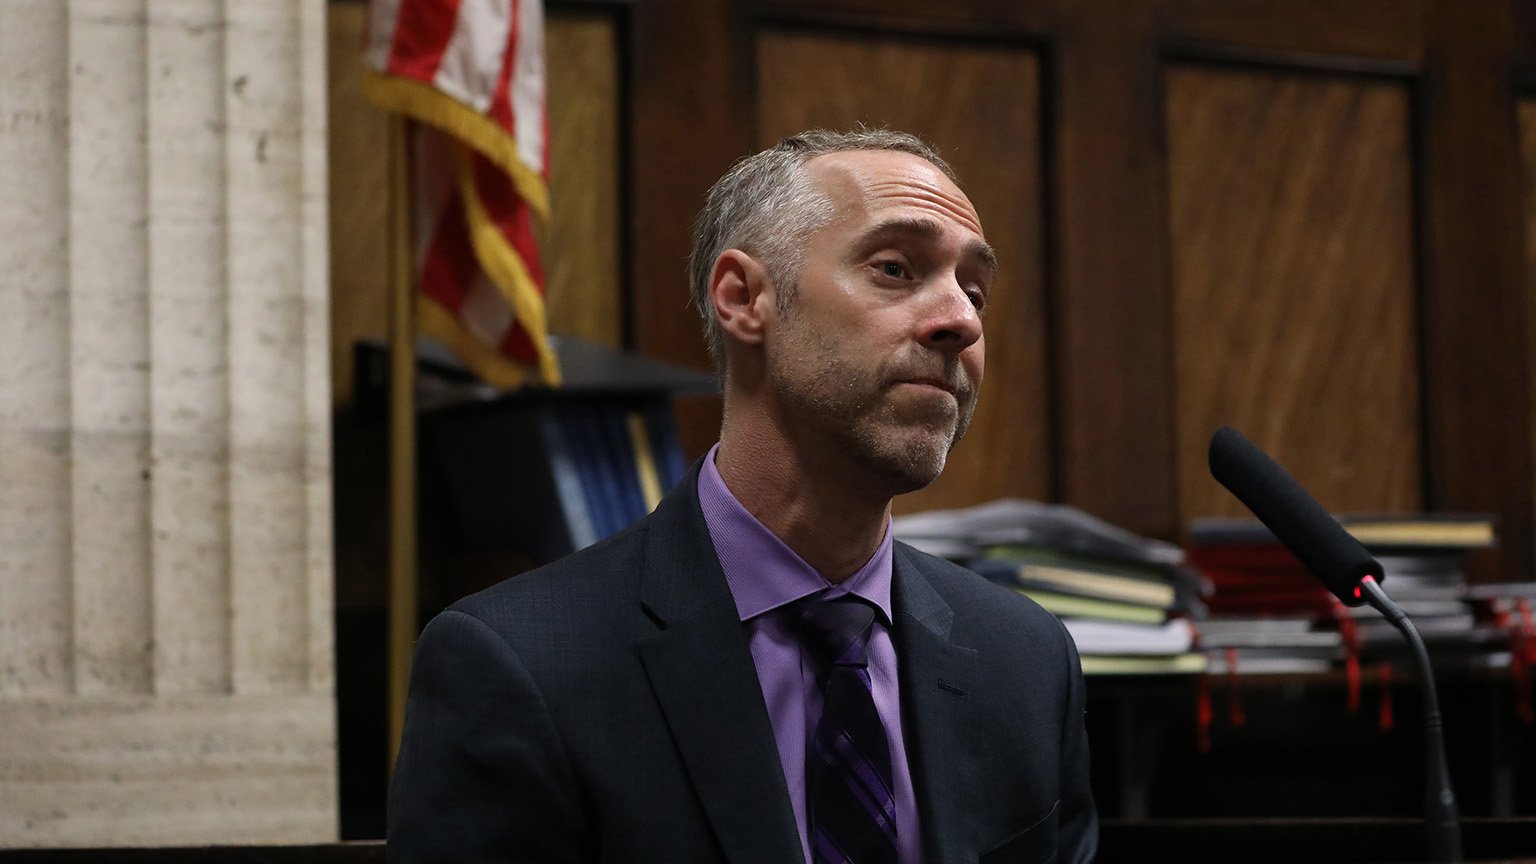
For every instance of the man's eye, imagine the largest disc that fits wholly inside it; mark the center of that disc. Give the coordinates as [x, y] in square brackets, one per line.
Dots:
[893, 269]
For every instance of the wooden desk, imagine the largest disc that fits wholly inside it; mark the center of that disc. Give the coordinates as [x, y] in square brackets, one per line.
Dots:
[351, 852]
[1300, 752]
[1315, 841]
[1186, 841]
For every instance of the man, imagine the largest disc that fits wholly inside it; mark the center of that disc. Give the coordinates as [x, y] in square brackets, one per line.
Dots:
[756, 672]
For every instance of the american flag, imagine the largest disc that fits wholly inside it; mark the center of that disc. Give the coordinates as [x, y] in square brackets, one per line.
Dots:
[470, 73]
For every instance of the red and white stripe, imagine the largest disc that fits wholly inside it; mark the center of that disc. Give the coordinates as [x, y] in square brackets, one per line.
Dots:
[487, 56]
[449, 273]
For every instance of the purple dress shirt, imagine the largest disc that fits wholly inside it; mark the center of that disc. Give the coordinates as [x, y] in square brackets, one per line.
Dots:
[765, 575]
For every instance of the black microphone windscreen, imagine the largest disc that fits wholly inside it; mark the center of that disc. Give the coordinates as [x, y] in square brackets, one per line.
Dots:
[1302, 524]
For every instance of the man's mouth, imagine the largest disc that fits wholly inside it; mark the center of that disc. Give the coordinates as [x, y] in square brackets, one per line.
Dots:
[934, 383]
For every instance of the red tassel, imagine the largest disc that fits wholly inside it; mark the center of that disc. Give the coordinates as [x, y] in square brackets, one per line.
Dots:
[1234, 700]
[1384, 719]
[1522, 656]
[1527, 630]
[1351, 639]
[1203, 712]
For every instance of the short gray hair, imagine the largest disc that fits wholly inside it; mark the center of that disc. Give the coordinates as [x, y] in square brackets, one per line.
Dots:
[767, 206]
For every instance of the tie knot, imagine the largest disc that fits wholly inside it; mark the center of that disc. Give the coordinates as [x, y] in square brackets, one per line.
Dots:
[836, 632]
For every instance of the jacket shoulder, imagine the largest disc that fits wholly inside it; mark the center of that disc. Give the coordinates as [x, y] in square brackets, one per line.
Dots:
[586, 586]
[978, 601]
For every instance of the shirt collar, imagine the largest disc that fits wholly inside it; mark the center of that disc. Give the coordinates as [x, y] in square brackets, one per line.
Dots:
[763, 573]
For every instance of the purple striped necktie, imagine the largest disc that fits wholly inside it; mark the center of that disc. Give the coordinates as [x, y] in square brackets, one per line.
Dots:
[852, 813]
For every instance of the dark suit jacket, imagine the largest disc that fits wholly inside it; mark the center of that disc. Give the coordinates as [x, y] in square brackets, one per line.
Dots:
[606, 708]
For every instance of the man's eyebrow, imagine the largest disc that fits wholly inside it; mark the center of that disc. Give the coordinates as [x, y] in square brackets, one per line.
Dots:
[927, 229]
[986, 254]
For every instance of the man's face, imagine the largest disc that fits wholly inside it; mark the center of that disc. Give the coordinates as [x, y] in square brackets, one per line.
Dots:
[879, 354]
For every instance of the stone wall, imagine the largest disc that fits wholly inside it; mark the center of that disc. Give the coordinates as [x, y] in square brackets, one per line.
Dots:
[165, 529]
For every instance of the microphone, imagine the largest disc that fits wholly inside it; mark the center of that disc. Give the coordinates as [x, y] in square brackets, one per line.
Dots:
[1330, 552]
[1342, 564]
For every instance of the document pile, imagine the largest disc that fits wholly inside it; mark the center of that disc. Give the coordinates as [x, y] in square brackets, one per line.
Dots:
[1127, 600]
[1268, 615]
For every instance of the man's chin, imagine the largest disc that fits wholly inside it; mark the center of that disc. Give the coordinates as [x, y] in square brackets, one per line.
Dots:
[912, 465]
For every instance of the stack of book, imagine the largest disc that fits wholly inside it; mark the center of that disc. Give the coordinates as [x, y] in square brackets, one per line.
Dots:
[1125, 599]
[551, 473]
[1506, 604]
[1253, 574]
[538, 472]
[1421, 558]
[1510, 608]
[1270, 646]
[1270, 615]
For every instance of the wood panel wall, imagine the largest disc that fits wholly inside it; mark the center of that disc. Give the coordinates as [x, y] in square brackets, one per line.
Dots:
[1171, 177]
[1526, 117]
[585, 292]
[359, 177]
[1291, 231]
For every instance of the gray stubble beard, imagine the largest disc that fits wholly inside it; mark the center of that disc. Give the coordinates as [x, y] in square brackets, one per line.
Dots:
[855, 430]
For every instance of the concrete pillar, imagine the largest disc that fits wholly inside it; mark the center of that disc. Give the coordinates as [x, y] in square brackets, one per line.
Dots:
[165, 530]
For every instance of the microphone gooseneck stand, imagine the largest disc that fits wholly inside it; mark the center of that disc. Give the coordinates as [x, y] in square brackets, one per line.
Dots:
[1441, 823]
[1343, 564]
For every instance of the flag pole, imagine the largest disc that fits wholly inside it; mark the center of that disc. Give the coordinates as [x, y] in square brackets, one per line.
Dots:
[403, 620]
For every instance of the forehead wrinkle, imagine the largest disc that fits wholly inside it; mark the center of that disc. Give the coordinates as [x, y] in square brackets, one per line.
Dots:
[849, 178]
[857, 192]
[920, 191]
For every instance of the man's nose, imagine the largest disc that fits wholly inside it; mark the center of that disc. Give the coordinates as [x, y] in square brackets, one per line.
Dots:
[953, 322]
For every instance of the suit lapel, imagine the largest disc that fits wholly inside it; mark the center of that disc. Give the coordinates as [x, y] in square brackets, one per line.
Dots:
[702, 673]
[938, 683]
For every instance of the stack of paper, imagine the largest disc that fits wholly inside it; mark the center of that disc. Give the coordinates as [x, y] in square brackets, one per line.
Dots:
[1124, 598]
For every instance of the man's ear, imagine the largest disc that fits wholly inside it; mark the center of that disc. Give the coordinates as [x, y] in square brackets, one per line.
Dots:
[740, 291]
